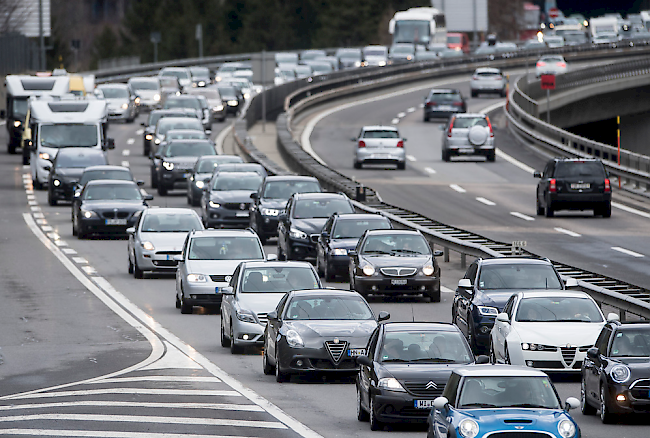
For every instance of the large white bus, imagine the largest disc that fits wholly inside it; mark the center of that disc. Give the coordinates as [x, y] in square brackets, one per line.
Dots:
[425, 26]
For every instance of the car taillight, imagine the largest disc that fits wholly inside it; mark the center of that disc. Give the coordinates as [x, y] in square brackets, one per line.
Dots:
[561, 64]
[475, 77]
[458, 103]
[400, 144]
[541, 64]
[552, 186]
[498, 78]
[489, 126]
[608, 187]
[451, 126]
[431, 104]
[362, 144]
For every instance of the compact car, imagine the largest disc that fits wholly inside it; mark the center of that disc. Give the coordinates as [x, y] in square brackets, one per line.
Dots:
[201, 174]
[67, 168]
[147, 91]
[488, 80]
[379, 145]
[198, 103]
[468, 134]
[172, 165]
[150, 125]
[120, 100]
[443, 103]
[550, 65]
[226, 199]
[167, 124]
[183, 75]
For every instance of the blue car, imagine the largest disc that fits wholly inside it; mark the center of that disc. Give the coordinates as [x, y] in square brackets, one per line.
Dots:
[501, 401]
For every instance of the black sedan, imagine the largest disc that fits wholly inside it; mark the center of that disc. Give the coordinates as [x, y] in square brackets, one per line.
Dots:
[341, 234]
[150, 124]
[107, 171]
[67, 167]
[107, 207]
[395, 262]
[174, 162]
[616, 372]
[201, 174]
[272, 198]
[407, 367]
[443, 103]
[232, 98]
[226, 200]
[317, 330]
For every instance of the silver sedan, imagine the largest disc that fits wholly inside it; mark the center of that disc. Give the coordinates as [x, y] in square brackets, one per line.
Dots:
[379, 145]
[550, 65]
[157, 237]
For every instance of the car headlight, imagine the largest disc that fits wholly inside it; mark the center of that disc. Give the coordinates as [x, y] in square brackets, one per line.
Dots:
[245, 315]
[381, 63]
[77, 193]
[137, 101]
[468, 428]
[17, 123]
[391, 384]
[233, 102]
[56, 183]
[148, 246]
[269, 211]
[620, 373]
[44, 156]
[293, 339]
[88, 213]
[247, 96]
[368, 270]
[199, 184]
[156, 97]
[357, 63]
[148, 137]
[218, 108]
[125, 105]
[167, 165]
[157, 141]
[488, 311]
[197, 278]
[427, 270]
[217, 78]
[295, 233]
[566, 428]
[340, 251]
[214, 204]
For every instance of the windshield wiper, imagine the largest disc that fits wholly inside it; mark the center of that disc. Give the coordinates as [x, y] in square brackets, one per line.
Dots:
[395, 360]
[434, 360]
[528, 405]
[407, 251]
[375, 252]
[479, 405]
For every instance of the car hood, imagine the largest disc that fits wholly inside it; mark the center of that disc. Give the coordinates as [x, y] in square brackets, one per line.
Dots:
[531, 419]
[558, 333]
[213, 267]
[383, 261]
[183, 162]
[496, 299]
[205, 177]
[344, 243]
[112, 204]
[278, 204]
[310, 226]
[421, 371]
[116, 102]
[333, 329]
[259, 302]
[243, 196]
[165, 241]
[69, 172]
[147, 94]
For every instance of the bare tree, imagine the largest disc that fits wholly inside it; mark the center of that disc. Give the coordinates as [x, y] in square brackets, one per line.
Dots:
[13, 15]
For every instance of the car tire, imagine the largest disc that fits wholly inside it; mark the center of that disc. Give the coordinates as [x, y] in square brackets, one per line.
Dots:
[268, 369]
[357, 165]
[445, 155]
[549, 209]
[196, 202]
[375, 424]
[605, 414]
[491, 156]
[186, 309]
[401, 166]
[154, 180]
[74, 227]
[146, 151]
[507, 359]
[493, 355]
[225, 342]
[51, 200]
[434, 296]
[474, 93]
[425, 118]
[162, 190]
[319, 267]
[37, 185]
[25, 160]
[327, 274]
[605, 210]
[234, 348]
[281, 255]
[11, 147]
[540, 209]
[280, 376]
[137, 272]
[362, 414]
[585, 407]
[130, 265]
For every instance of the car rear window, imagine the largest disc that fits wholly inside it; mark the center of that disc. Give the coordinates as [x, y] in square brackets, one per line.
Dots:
[568, 169]
[445, 97]
[468, 122]
[488, 73]
[380, 134]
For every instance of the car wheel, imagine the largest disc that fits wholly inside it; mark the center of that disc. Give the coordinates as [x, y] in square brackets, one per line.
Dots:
[327, 274]
[11, 147]
[130, 265]
[280, 376]
[445, 155]
[434, 296]
[375, 424]
[319, 268]
[146, 151]
[605, 415]
[266, 366]
[162, 190]
[357, 165]
[178, 302]
[605, 210]
[186, 309]
[362, 415]
[549, 209]
[491, 156]
[401, 166]
[425, 118]
[540, 209]
[234, 348]
[37, 185]
[137, 272]
[473, 93]
[225, 342]
[51, 199]
[196, 202]
[281, 256]
[585, 407]
[74, 226]
[507, 359]
[471, 338]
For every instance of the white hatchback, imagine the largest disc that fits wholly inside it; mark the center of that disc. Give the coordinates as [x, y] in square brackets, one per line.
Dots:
[550, 65]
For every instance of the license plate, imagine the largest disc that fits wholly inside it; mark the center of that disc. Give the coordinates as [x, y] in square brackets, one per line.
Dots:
[380, 156]
[115, 221]
[186, 175]
[242, 214]
[356, 352]
[423, 404]
[465, 151]
[398, 282]
[580, 186]
[445, 108]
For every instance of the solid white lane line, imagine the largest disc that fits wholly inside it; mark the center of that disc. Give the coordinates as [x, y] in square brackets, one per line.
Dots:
[522, 216]
[485, 201]
[106, 434]
[429, 170]
[401, 115]
[125, 164]
[221, 138]
[627, 251]
[569, 232]
[394, 121]
[126, 152]
[410, 157]
[631, 210]
[139, 391]
[130, 141]
[139, 131]
[411, 110]
[193, 379]
[147, 419]
[113, 404]
[80, 260]
[514, 161]
[458, 188]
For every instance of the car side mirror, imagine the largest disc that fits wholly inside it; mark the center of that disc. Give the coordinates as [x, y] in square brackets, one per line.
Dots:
[364, 360]
[503, 317]
[254, 195]
[592, 353]
[140, 182]
[272, 316]
[130, 230]
[438, 253]
[465, 283]
[612, 317]
[571, 282]
[271, 257]
[143, 124]
[571, 403]
[440, 403]
[282, 217]
[383, 316]
[537, 174]
[325, 235]
[352, 253]
[110, 143]
[227, 291]
[178, 258]
[148, 197]
[482, 359]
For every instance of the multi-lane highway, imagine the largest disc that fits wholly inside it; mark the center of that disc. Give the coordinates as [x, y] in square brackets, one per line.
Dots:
[87, 350]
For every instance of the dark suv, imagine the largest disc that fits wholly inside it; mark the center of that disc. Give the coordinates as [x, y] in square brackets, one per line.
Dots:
[486, 287]
[442, 103]
[574, 184]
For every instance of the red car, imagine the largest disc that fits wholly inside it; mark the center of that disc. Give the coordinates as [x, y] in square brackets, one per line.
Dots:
[458, 41]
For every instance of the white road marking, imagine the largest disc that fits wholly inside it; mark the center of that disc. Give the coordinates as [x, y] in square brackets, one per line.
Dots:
[146, 419]
[410, 157]
[130, 141]
[411, 110]
[113, 404]
[569, 232]
[221, 138]
[30, 196]
[138, 391]
[627, 251]
[485, 201]
[29, 192]
[421, 105]
[401, 115]
[80, 260]
[191, 379]
[41, 221]
[36, 208]
[53, 236]
[429, 170]
[39, 215]
[631, 210]
[126, 152]
[32, 202]
[394, 121]
[522, 216]
[106, 434]
[446, 290]
[89, 270]
[139, 131]
[46, 228]
[125, 164]
[69, 251]
[458, 188]
[60, 243]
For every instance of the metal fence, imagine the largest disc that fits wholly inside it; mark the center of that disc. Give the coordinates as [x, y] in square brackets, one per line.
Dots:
[18, 54]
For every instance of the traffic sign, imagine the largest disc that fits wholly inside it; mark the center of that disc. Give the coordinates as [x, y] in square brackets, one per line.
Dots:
[548, 82]
[553, 12]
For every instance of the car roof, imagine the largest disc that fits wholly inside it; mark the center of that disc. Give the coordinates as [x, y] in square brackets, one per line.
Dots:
[518, 260]
[189, 140]
[576, 160]
[487, 70]
[318, 195]
[177, 119]
[168, 210]
[420, 326]
[223, 233]
[553, 293]
[290, 178]
[470, 115]
[107, 167]
[445, 91]
[276, 264]
[498, 371]
[354, 216]
[322, 292]
[631, 325]
[79, 151]
[114, 85]
[238, 174]
[379, 127]
[144, 78]
[101, 182]
[391, 231]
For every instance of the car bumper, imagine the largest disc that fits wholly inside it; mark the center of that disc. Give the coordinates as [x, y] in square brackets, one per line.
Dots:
[158, 260]
[367, 155]
[549, 361]
[399, 407]
[170, 179]
[247, 333]
[301, 249]
[268, 225]
[487, 88]
[441, 113]
[338, 263]
[578, 201]
[386, 285]
[468, 149]
[221, 217]
[98, 225]
[63, 192]
[119, 114]
[203, 294]
[636, 401]
[232, 109]
[303, 360]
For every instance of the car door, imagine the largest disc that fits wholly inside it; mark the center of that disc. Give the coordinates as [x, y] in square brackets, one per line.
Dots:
[542, 186]
[273, 328]
[463, 299]
[501, 330]
[368, 375]
[283, 226]
[135, 238]
[228, 301]
[594, 369]
[322, 247]
[181, 271]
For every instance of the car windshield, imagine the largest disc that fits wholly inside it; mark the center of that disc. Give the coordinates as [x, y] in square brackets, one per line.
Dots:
[325, 307]
[518, 276]
[552, 59]
[291, 58]
[200, 72]
[631, 343]
[402, 49]
[209, 164]
[426, 346]
[468, 122]
[354, 228]
[188, 149]
[212, 94]
[558, 309]
[20, 109]
[225, 248]
[320, 208]
[237, 181]
[180, 74]
[384, 133]
[278, 279]
[508, 392]
[144, 85]
[453, 39]
[445, 97]
[182, 103]
[354, 55]
[68, 135]
[160, 222]
[228, 93]
[115, 93]
[284, 189]
[396, 245]
[488, 74]
[303, 69]
[112, 193]
[375, 52]
[91, 175]
[190, 123]
[568, 169]
[185, 135]
[79, 161]
[169, 82]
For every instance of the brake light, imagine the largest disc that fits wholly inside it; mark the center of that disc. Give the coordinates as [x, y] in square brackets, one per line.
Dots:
[561, 64]
[431, 103]
[489, 126]
[458, 103]
[451, 126]
[552, 186]
[362, 144]
[541, 64]
[475, 77]
[400, 144]
[498, 78]
[608, 187]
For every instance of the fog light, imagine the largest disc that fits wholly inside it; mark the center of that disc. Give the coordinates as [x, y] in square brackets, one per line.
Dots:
[374, 288]
[529, 363]
[299, 362]
[484, 329]
[193, 297]
[423, 288]
[620, 398]
[245, 337]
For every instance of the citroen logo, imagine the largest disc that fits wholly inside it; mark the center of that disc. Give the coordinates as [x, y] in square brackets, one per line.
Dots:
[242, 206]
[336, 340]
[431, 385]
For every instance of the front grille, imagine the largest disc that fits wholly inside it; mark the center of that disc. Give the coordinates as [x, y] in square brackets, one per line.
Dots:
[207, 297]
[243, 206]
[221, 278]
[420, 388]
[326, 364]
[398, 272]
[568, 354]
[549, 364]
[518, 434]
[262, 318]
[115, 214]
[336, 350]
[165, 263]
[168, 252]
[584, 348]
[641, 384]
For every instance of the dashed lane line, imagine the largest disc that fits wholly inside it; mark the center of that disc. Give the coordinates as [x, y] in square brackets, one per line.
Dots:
[411, 110]
[80, 260]
[125, 164]
[457, 188]
[522, 216]
[410, 157]
[139, 131]
[627, 252]
[567, 232]
[485, 201]
[394, 121]
[126, 152]
[401, 115]
[130, 141]
[429, 170]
